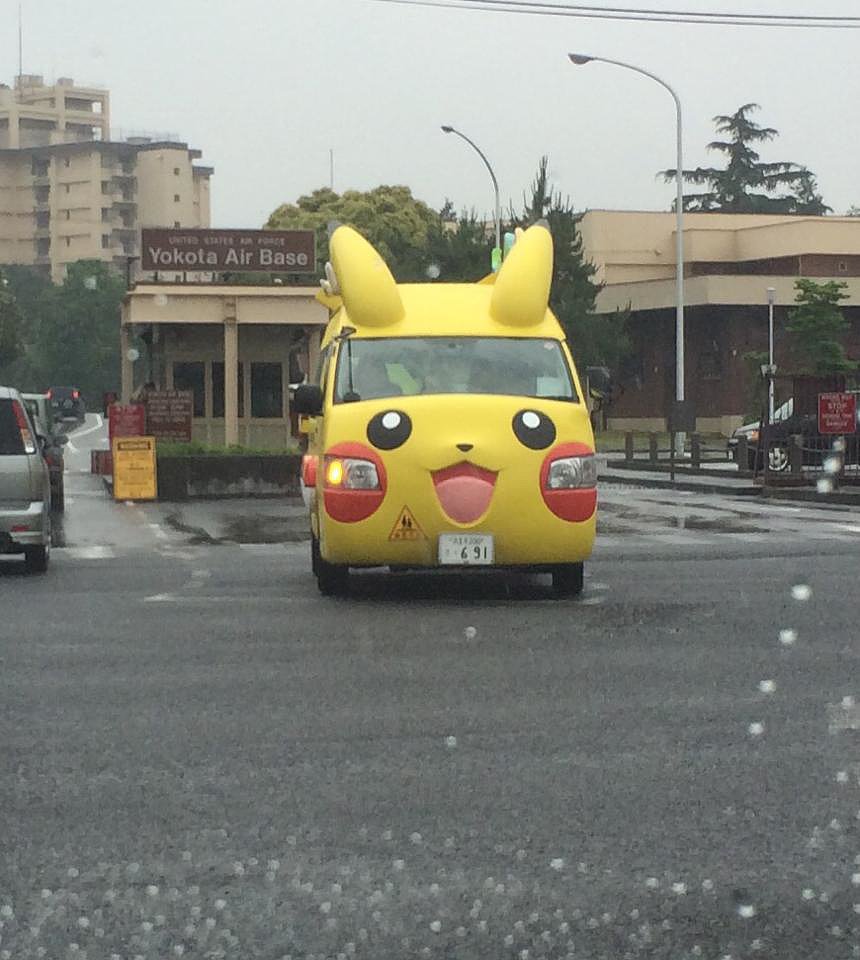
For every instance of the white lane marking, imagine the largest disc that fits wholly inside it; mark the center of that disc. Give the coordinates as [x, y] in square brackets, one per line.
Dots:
[599, 587]
[592, 601]
[83, 433]
[850, 527]
[197, 598]
[94, 552]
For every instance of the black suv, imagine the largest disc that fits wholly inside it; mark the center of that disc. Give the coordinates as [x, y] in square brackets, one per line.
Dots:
[67, 403]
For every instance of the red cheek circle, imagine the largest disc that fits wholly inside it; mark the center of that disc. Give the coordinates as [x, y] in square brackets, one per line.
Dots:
[575, 506]
[350, 506]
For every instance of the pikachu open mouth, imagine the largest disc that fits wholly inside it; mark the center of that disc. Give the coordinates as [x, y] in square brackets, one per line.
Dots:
[464, 491]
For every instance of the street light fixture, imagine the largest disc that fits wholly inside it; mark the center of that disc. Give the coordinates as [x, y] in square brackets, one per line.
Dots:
[580, 60]
[771, 297]
[477, 149]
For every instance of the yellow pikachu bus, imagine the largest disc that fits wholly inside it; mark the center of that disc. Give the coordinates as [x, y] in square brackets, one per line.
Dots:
[448, 428]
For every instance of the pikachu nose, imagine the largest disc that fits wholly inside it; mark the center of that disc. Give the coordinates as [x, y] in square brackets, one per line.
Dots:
[465, 447]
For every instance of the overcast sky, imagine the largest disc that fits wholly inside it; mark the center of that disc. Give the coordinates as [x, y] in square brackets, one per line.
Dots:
[265, 89]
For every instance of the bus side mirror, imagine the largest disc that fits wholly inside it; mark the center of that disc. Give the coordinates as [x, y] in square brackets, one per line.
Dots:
[308, 400]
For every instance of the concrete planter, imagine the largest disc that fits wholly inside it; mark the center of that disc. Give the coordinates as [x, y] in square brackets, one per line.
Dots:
[191, 477]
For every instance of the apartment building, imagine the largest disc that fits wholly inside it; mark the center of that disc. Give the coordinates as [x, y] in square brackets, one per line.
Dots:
[68, 191]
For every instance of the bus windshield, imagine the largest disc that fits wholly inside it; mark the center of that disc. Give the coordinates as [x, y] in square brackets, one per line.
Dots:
[369, 369]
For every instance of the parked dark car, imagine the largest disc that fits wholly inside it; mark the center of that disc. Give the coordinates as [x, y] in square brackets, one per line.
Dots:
[53, 445]
[67, 404]
[787, 424]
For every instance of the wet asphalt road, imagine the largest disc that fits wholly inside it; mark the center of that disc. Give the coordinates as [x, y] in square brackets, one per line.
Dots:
[203, 757]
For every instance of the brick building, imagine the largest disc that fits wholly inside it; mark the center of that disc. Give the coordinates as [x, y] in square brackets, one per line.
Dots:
[730, 261]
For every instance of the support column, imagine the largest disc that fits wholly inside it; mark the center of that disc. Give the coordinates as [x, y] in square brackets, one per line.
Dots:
[231, 381]
[126, 365]
[314, 340]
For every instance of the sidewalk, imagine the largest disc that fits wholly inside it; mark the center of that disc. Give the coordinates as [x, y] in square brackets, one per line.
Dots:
[721, 479]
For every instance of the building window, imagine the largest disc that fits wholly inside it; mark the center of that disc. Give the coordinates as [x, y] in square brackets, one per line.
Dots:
[176, 224]
[710, 361]
[43, 246]
[218, 389]
[67, 163]
[105, 186]
[68, 241]
[105, 214]
[39, 168]
[176, 198]
[267, 390]
[842, 266]
[176, 171]
[67, 186]
[191, 376]
[105, 241]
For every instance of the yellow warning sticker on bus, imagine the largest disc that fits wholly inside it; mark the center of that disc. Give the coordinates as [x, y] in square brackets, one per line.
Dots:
[406, 527]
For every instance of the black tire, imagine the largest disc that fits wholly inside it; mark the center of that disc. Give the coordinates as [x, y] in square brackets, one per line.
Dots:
[777, 458]
[36, 559]
[58, 498]
[315, 555]
[332, 579]
[567, 580]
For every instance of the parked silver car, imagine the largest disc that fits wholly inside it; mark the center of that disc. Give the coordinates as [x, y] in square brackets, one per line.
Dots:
[25, 486]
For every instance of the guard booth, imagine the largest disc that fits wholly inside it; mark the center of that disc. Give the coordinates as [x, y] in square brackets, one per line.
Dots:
[237, 349]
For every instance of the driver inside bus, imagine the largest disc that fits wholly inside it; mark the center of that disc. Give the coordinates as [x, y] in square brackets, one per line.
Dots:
[373, 381]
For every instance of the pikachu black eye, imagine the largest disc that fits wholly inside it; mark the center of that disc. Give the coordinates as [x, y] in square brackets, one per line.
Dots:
[534, 430]
[389, 430]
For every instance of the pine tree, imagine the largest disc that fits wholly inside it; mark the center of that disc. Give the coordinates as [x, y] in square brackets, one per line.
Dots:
[746, 184]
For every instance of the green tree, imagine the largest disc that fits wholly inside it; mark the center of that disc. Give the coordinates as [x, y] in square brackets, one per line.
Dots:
[458, 248]
[11, 326]
[77, 342]
[596, 339]
[29, 287]
[746, 184]
[816, 326]
[394, 221]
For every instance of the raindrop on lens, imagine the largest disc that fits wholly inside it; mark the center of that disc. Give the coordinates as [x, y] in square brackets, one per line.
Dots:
[801, 592]
[470, 633]
[824, 485]
[756, 729]
[787, 637]
[767, 686]
[746, 910]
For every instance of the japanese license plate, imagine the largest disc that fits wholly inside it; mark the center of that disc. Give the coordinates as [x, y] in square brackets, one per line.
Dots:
[466, 549]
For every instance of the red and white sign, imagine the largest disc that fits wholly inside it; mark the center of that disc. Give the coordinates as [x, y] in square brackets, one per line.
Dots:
[126, 420]
[837, 413]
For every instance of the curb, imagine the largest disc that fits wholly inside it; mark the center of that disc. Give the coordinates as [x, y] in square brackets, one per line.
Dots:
[660, 484]
[812, 496]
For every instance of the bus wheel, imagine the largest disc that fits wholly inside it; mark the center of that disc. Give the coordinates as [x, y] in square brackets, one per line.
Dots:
[567, 580]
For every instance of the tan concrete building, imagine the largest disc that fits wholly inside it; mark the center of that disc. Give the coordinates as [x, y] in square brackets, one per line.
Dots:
[68, 192]
[730, 261]
[237, 348]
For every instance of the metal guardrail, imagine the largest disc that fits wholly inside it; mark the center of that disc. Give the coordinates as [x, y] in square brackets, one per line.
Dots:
[701, 451]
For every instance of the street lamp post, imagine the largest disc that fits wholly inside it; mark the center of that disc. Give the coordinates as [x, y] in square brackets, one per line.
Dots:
[477, 149]
[580, 60]
[771, 295]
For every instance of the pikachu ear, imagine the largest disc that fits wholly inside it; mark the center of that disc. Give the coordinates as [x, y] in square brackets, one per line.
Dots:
[365, 283]
[521, 291]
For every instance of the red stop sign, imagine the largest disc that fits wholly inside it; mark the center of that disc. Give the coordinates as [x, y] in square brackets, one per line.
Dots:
[837, 413]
